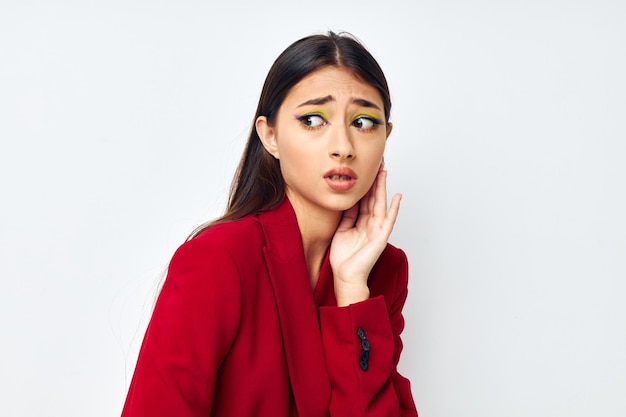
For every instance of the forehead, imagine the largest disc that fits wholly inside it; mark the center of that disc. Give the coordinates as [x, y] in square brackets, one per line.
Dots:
[337, 82]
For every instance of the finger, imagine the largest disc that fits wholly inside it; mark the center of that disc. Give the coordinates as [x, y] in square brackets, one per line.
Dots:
[349, 218]
[392, 212]
[367, 200]
[379, 208]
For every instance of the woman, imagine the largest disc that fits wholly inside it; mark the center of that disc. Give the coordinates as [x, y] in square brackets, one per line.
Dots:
[291, 303]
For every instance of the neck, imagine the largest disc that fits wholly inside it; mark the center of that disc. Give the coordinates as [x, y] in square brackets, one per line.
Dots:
[317, 228]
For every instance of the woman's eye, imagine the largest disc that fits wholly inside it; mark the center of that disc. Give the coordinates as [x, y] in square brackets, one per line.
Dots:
[364, 123]
[312, 120]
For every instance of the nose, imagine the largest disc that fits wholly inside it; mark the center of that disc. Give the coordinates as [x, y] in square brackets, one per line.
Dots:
[340, 146]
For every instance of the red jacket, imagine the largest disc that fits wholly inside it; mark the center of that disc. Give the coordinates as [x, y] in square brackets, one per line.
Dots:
[238, 332]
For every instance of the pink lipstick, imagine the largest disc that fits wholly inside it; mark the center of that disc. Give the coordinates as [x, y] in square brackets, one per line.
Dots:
[340, 179]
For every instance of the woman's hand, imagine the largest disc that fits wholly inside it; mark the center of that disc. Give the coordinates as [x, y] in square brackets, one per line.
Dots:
[360, 239]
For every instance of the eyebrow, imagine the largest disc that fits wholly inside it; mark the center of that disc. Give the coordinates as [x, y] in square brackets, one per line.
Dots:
[323, 100]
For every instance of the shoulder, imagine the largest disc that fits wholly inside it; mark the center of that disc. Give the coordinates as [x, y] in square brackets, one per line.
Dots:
[221, 247]
[232, 236]
[232, 230]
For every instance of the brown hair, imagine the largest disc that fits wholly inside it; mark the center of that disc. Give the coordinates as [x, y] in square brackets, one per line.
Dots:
[258, 184]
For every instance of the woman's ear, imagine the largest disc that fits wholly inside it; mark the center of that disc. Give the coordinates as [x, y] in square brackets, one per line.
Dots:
[267, 134]
[389, 128]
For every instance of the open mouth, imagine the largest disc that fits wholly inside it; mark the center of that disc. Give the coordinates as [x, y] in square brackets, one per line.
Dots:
[340, 177]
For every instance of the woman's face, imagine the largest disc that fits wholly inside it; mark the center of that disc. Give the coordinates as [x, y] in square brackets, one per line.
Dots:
[329, 136]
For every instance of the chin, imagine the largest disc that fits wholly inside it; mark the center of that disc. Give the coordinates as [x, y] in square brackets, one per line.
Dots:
[343, 203]
[338, 202]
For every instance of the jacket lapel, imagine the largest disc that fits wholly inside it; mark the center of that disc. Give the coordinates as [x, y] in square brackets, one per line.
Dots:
[284, 257]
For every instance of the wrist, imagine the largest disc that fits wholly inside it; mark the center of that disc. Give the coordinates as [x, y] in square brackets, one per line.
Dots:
[346, 293]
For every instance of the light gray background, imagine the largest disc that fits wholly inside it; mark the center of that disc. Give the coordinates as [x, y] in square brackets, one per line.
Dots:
[121, 123]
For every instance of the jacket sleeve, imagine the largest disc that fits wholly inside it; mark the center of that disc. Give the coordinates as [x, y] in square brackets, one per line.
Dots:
[362, 346]
[191, 329]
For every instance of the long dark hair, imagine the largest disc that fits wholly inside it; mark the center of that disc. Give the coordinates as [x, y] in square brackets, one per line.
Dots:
[258, 184]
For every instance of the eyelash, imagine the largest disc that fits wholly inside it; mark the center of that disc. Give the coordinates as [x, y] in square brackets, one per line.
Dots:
[305, 120]
[375, 122]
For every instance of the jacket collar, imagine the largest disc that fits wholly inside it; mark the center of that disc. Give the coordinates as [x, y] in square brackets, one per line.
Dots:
[284, 257]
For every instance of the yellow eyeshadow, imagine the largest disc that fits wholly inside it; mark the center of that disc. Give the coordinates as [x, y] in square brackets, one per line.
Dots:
[374, 117]
[316, 112]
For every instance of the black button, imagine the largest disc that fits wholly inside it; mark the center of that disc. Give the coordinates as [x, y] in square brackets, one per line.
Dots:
[361, 333]
[365, 344]
[365, 349]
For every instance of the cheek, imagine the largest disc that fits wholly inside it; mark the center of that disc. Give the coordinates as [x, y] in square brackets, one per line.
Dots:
[372, 157]
[293, 155]
[373, 153]
[294, 161]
